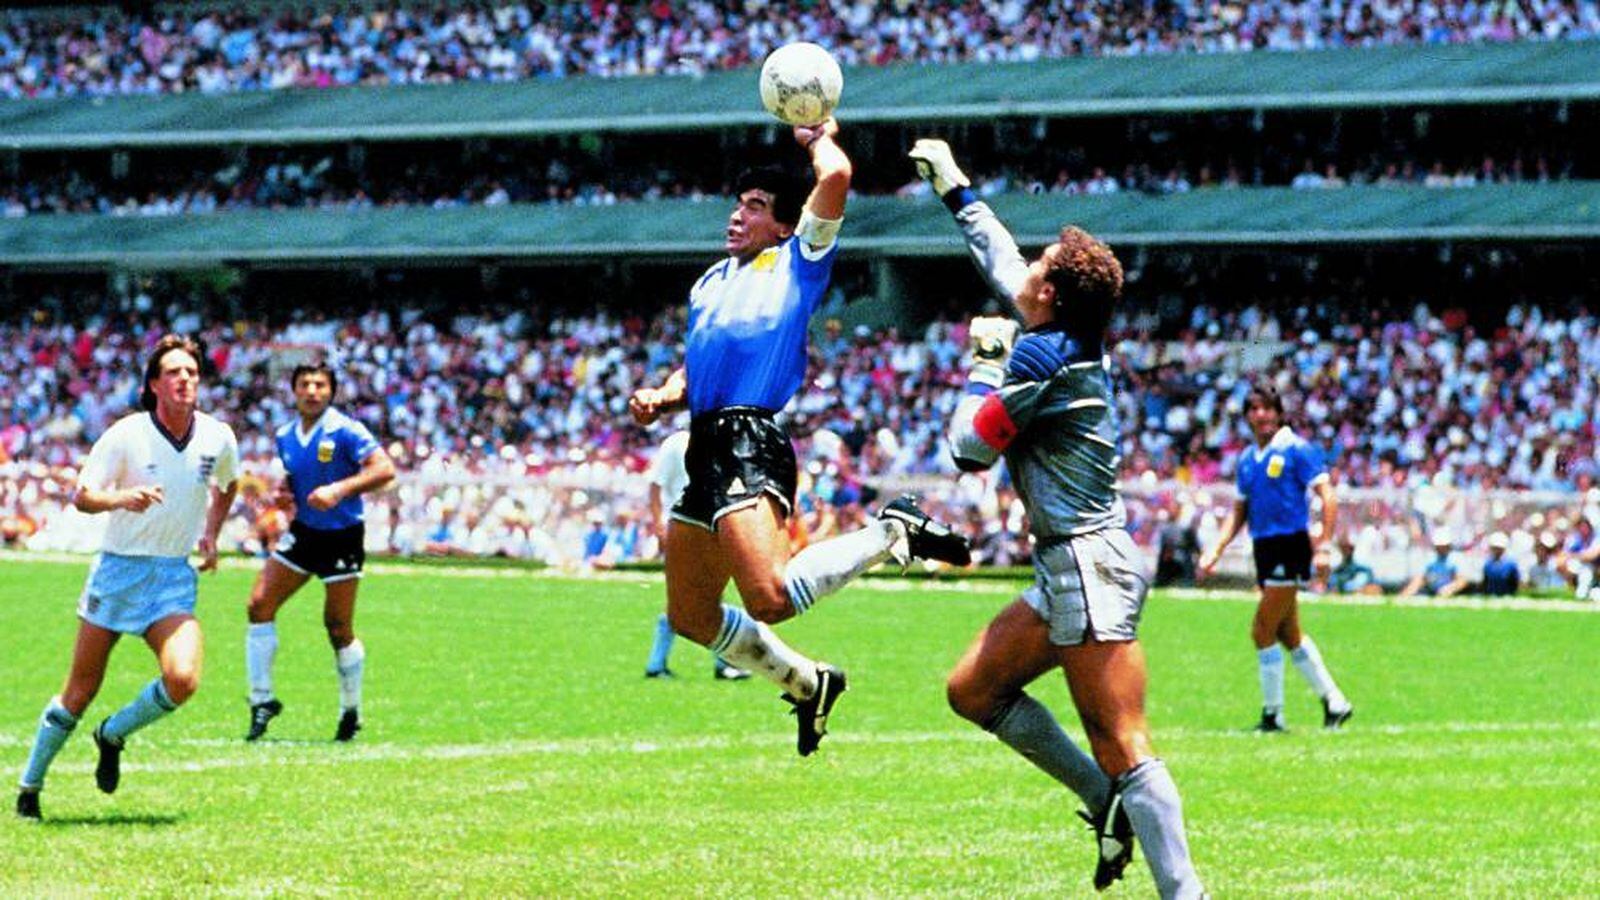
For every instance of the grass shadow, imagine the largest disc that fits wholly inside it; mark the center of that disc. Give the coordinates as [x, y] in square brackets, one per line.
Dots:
[112, 820]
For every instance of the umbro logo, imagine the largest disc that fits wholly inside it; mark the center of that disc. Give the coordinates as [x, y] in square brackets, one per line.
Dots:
[736, 486]
[1278, 571]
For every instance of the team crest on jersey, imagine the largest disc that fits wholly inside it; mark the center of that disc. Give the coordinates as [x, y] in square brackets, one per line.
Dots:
[325, 450]
[766, 262]
[207, 465]
[1274, 466]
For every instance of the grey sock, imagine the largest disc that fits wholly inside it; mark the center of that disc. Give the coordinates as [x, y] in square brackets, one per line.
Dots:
[1026, 726]
[1156, 812]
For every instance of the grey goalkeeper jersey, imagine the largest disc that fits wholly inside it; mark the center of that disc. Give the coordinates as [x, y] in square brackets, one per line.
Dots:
[1054, 417]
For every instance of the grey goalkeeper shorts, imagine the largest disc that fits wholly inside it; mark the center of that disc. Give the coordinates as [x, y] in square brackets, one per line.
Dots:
[1088, 586]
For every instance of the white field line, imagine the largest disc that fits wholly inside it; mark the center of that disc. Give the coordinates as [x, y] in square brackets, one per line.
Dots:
[894, 585]
[307, 754]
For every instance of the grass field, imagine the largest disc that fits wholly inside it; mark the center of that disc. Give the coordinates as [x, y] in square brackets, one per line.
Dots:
[512, 747]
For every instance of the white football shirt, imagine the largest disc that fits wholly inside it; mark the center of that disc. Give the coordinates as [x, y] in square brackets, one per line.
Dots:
[136, 452]
[669, 471]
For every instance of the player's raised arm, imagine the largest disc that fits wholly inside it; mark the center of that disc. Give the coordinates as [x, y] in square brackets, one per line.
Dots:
[824, 209]
[993, 248]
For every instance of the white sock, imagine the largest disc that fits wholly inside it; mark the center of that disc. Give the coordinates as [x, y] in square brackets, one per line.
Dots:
[350, 661]
[1308, 659]
[260, 649]
[1270, 661]
[751, 645]
[829, 565]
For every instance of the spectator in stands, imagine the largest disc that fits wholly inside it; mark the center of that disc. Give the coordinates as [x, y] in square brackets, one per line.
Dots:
[1350, 576]
[1501, 577]
[1545, 573]
[1441, 577]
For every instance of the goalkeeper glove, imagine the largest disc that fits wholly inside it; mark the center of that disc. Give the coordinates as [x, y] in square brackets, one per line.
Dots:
[991, 339]
[935, 164]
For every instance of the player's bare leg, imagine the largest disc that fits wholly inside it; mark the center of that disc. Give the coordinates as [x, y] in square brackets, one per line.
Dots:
[699, 564]
[987, 688]
[273, 588]
[1307, 659]
[90, 653]
[1277, 604]
[1107, 680]
[338, 618]
[179, 646]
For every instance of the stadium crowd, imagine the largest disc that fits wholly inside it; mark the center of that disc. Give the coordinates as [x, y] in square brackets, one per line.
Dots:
[1421, 406]
[286, 180]
[78, 53]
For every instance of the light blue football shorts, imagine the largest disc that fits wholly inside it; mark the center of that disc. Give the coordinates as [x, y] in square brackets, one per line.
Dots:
[1089, 586]
[131, 593]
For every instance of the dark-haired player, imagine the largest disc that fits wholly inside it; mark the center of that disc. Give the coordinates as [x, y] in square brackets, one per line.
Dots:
[745, 356]
[1044, 400]
[164, 477]
[1274, 477]
[330, 460]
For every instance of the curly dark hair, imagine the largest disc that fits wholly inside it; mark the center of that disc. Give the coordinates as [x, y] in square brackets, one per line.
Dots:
[1087, 276]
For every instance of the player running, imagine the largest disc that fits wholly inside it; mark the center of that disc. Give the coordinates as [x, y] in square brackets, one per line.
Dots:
[745, 358]
[165, 476]
[1273, 478]
[1046, 404]
[330, 460]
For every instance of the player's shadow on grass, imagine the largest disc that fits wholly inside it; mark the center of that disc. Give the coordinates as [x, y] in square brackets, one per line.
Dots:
[113, 820]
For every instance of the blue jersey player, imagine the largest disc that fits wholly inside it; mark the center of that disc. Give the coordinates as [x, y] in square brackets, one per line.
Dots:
[1045, 402]
[330, 460]
[1274, 477]
[745, 357]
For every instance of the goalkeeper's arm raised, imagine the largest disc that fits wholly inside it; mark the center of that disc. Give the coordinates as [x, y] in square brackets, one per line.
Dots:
[991, 245]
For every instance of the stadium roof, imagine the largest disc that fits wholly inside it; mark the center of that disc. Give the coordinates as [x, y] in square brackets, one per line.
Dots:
[876, 226]
[1507, 73]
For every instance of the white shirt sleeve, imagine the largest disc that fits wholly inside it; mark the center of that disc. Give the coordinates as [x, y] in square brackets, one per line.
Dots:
[103, 468]
[227, 470]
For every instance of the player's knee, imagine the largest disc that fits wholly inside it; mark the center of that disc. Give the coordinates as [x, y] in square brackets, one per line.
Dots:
[261, 608]
[76, 698]
[1263, 635]
[181, 683]
[770, 604]
[340, 632]
[700, 629]
[969, 700]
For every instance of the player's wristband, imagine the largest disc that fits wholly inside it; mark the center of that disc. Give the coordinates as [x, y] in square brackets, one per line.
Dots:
[958, 198]
[988, 375]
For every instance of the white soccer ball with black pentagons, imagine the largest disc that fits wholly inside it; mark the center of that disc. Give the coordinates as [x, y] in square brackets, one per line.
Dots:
[800, 83]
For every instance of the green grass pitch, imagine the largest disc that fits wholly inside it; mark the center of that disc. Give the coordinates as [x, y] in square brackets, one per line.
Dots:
[513, 747]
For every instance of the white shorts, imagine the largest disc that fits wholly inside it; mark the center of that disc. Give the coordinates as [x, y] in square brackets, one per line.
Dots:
[1089, 586]
[131, 593]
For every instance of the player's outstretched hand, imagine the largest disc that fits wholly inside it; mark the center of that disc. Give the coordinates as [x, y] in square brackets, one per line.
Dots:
[937, 165]
[1207, 565]
[139, 499]
[645, 405]
[806, 135]
[208, 554]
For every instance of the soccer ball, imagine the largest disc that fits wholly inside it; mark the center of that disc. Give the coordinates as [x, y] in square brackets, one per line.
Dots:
[800, 83]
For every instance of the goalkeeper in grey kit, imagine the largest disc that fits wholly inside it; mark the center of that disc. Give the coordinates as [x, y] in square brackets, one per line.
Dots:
[1044, 400]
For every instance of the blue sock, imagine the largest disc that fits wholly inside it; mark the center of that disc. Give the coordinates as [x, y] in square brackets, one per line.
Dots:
[55, 726]
[662, 648]
[151, 704]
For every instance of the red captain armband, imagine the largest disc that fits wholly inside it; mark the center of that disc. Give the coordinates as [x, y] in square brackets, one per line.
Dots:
[993, 424]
